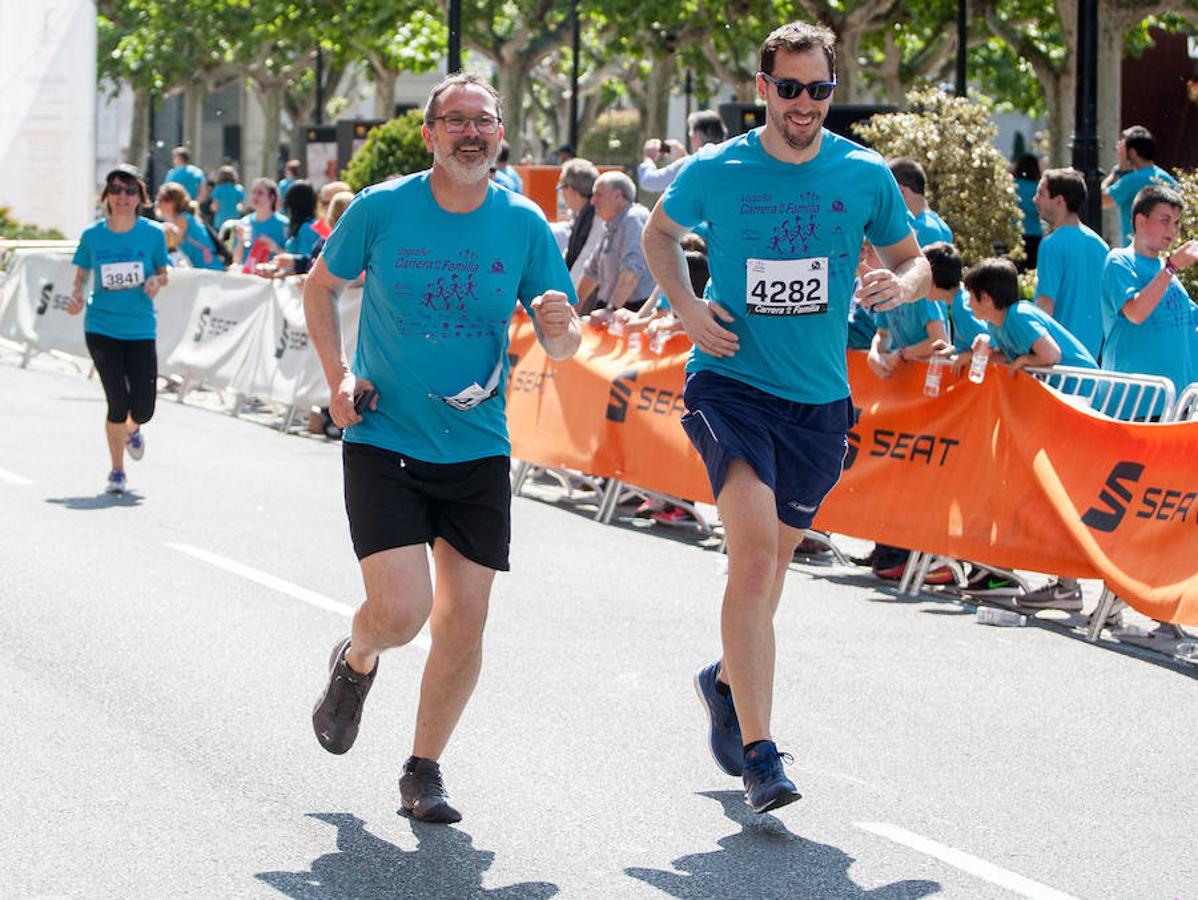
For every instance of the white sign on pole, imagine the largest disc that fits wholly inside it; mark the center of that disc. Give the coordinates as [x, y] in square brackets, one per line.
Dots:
[48, 112]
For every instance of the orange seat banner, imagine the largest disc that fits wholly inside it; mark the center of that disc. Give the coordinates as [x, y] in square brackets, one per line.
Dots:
[1005, 472]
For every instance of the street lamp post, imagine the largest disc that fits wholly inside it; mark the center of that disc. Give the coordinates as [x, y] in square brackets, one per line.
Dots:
[962, 46]
[455, 36]
[1085, 128]
[576, 50]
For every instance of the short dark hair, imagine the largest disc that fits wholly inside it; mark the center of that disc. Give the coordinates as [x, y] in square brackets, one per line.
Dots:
[1153, 196]
[1067, 183]
[458, 79]
[909, 174]
[708, 125]
[798, 37]
[945, 261]
[1140, 139]
[1026, 166]
[997, 277]
[505, 150]
[126, 175]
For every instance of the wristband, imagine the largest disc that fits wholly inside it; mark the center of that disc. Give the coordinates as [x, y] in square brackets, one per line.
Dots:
[1170, 269]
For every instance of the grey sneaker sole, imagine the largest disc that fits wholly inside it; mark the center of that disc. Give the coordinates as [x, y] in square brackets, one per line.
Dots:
[785, 798]
[736, 773]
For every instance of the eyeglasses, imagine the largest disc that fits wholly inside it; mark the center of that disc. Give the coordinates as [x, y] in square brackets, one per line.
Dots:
[455, 124]
[129, 190]
[788, 88]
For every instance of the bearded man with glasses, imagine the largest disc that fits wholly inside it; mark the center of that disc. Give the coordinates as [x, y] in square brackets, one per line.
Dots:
[447, 254]
[784, 209]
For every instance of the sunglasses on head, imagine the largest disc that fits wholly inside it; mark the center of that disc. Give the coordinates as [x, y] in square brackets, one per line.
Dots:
[788, 88]
[129, 190]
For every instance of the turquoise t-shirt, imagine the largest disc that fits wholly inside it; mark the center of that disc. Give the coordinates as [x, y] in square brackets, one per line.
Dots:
[930, 228]
[1124, 191]
[1163, 343]
[1069, 272]
[189, 176]
[862, 327]
[908, 324]
[791, 317]
[1025, 324]
[1025, 188]
[227, 197]
[302, 242]
[440, 291]
[197, 245]
[273, 227]
[120, 262]
[964, 326]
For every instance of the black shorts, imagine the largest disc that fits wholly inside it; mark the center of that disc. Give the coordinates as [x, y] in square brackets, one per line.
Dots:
[394, 500]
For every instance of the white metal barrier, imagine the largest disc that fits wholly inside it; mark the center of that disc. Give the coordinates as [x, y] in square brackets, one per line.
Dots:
[1116, 395]
[1186, 409]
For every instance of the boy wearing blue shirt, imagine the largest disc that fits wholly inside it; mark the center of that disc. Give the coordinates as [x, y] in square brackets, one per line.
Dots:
[446, 256]
[1134, 172]
[913, 184]
[1069, 275]
[786, 208]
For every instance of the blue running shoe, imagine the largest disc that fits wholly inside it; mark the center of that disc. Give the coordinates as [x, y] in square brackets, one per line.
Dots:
[726, 747]
[766, 785]
[135, 445]
[116, 482]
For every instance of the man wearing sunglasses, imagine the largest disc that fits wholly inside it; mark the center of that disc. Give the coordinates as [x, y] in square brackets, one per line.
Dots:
[785, 208]
[447, 253]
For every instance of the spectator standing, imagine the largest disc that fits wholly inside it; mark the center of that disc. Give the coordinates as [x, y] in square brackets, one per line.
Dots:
[185, 230]
[1026, 172]
[263, 223]
[767, 393]
[299, 205]
[505, 175]
[291, 174]
[704, 127]
[617, 270]
[576, 184]
[127, 257]
[228, 197]
[1071, 259]
[183, 173]
[913, 184]
[1133, 172]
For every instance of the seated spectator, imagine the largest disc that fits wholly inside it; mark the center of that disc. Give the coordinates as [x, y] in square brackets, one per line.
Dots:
[286, 264]
[185, 230]
[1150, 314]
[948, 293]
[908, 332]
[705, 127]
[264, 225]
[913, 182]
[300, 206]
[228, 196]
[1026, 172]
[1134, 171]
[617, 268]
[1069, 277]
[505, 175]
[183, 173]
[291, 174]
[576, 183]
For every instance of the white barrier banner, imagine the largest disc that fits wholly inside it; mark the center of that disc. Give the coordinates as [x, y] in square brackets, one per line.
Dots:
[34, 311]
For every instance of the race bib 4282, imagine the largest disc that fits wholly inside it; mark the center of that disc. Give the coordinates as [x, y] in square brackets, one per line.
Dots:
[787, 287]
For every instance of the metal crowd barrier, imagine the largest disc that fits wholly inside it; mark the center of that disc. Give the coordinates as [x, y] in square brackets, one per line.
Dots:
[1186, 409]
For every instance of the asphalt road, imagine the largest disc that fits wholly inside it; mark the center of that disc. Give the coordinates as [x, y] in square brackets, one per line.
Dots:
[160, 653]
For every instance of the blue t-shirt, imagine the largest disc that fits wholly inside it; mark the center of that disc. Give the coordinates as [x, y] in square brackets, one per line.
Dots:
[227, 197]
[930, 228]
[1025, 188]
[189, 176]
[283, 185]
[1124, 191]
[197, 245]
[1069, 273]
[1162, 344]
[440, 291]
[757, 208]
[302, 242]
[908, 324]
[963, 324]
[1026, 323]
[120, 262]
[273, 227]
[509, 178]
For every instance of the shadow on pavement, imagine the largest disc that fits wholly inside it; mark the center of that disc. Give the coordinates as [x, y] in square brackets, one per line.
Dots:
[98, 501]
[765, 859]
[444, 864]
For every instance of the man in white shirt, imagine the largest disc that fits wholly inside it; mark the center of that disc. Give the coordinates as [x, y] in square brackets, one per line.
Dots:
[705, 127]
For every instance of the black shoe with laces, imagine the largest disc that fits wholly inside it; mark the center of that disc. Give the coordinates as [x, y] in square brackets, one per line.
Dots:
[422, 793]
[766, 785]
[338, 712]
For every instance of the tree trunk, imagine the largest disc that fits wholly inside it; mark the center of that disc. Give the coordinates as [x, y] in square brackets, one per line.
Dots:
[848, 81]
[1060, 101]
[270, 95]
[139, 130]
[1110, 92]
[193, 120]
[513, 83]
[384, 93]
[656, 122]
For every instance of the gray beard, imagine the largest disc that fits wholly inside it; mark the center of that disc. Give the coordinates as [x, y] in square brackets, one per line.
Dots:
[459, 171]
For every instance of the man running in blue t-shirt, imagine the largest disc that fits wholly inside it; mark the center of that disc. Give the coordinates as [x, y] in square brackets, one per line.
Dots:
[785, 208]
[446, 254]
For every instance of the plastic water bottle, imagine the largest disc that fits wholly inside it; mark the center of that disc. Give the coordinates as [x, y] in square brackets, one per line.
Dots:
[615, 325]
[977, 363]
[931, 383]
[658, 342]
[1187, 650]
[1004, 618]
[636, 342]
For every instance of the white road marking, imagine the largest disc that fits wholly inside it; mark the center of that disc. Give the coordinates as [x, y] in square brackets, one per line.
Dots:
[965, 862]
[13, 478]
[320, 601]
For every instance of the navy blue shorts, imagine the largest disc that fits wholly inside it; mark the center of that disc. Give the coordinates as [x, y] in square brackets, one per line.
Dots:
[797, 449]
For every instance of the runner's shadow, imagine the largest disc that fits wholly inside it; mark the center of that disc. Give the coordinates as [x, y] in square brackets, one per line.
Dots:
[444, 864]
[98, 501]
[765, 859]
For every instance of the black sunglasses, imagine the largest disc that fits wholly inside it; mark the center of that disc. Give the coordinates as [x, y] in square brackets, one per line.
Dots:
[129, 190]
[788, 88]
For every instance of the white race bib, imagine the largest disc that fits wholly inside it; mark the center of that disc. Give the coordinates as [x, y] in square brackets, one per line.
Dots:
[787, 287]
[122, 276]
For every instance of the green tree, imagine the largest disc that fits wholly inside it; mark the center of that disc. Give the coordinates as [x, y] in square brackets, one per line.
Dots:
[968, 181]
[394, 148]
[1187, 182]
